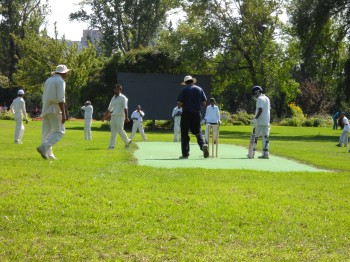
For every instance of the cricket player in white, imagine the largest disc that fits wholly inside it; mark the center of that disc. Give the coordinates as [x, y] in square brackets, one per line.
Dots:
[212, 117]
[344, 137]
[118, 110]
[18, 108]
[176, 115]
[136, 117]
[261, 120]
[88, 111]
[53, 112]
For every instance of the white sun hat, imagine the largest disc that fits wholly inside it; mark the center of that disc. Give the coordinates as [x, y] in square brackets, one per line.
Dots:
[188, 78]
[61, 69]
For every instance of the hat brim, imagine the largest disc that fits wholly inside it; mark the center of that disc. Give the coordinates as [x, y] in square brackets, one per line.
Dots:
[193, 79]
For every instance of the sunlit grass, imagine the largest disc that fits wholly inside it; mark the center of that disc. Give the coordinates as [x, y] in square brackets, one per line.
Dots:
[98, 204]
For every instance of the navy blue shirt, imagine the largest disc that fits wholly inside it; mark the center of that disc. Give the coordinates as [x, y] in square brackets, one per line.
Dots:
[192, 98]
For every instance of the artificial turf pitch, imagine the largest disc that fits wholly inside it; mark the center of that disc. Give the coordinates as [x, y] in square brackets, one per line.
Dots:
[166, 155]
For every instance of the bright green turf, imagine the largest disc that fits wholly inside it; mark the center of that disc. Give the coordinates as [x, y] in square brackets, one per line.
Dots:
[95, 204]
[166, 154]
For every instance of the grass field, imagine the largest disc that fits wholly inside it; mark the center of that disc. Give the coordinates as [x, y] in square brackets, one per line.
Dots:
[95, 204]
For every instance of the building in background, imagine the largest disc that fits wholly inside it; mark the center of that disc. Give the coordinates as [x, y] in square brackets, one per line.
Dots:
[94, 36]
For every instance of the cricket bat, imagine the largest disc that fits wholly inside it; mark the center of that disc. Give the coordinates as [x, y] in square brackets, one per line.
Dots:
[252, 145]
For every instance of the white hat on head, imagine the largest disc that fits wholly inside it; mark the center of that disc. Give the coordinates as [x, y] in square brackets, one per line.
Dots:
[61, 69]
[20, 92]
[187, 78]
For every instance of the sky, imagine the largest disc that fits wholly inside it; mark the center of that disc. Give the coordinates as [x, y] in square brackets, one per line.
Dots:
[60, 11]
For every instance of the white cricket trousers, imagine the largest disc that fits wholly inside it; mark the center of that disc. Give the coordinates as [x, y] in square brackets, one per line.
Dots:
[138, 126]
[52, 131]
[87, 129]
[344, 138]
[263, 131]
[117, 127]
[215, 131]
[19, 130]
[177, 128]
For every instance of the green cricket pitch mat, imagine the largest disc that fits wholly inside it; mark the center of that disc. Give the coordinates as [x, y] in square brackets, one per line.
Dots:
[166, 155]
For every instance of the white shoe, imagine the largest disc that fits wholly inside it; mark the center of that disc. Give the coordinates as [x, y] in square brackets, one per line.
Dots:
[42, 151]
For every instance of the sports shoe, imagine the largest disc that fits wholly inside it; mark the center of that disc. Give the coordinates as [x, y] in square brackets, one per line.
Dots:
[205, 151]
[264, 157]
[42, 151]
[127, 145]
[183, 157]
[250, 157]
[338, 145]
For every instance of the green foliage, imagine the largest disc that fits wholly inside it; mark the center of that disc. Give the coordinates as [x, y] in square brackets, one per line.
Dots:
[18, 18]
[6, 115]
[42, 54]
[126, 24]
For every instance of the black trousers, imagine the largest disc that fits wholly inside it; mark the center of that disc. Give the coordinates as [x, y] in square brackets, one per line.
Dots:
[190, 121]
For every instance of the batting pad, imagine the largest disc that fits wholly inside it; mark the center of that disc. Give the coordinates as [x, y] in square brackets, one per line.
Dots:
[166, 155]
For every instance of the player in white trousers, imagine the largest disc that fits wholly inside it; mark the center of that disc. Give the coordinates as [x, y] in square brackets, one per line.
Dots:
[212, 117]
[53, 112]
[88, 111]
[137, 117]
[344, 137]
[176, 115]
[18, 108]
[261, 120]
[118, 110]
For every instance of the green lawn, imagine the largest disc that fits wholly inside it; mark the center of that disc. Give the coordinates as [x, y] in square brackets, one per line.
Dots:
[95, 204]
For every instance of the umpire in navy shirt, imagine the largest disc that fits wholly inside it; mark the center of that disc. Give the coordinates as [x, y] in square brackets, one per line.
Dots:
[191, 98]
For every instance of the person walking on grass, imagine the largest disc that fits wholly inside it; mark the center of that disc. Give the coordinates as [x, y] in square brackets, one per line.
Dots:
[88, 111]
[261, 120]
[212, 117]
[191, 99]
[18, 108]
[136, 117]
[53, 111]
[344, 137]
[176, 115]
[335, 120]
[118, 110]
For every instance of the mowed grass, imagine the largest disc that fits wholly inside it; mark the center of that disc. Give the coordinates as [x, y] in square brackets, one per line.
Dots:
[95, 204]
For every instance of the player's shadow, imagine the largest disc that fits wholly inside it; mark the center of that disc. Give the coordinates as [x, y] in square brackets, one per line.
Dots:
[276, 137]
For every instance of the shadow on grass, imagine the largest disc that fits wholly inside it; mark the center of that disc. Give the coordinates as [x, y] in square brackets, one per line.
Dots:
[308, 138]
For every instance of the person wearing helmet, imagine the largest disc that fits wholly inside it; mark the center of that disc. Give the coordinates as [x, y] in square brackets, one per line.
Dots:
[88, 111]
[18, 108]
[261, 120]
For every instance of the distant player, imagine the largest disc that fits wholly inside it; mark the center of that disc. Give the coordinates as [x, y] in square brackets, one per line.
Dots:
[261, 120]
[176, 115]
[137, 117]
[212, 117]
[18, 108]
[88, 111]
[344, 137]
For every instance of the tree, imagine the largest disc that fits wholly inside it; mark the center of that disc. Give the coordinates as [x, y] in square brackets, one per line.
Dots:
[322, 27]
[16, 18]
[240, 43]
[40, 57]
[125, 24]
